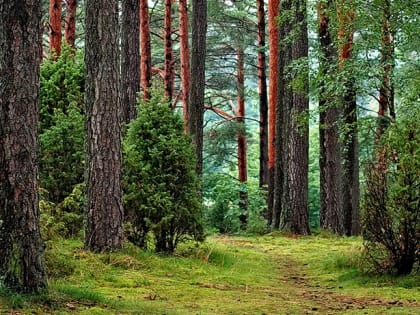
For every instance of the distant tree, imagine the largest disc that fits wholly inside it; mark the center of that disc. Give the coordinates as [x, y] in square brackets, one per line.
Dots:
[104, 226]
[350, 192]
[198, 56]
[185, 58]
[262, 92]
[331, 216]
[55, 26]
[70, 24]
[145, 50]
[169, 71]
[130, 58]
[21, 249]
[273, 37]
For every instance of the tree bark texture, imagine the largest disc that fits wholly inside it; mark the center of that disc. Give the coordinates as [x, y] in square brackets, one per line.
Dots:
[21, 248]
[55, 27]
[104, 230]
[273, 38]
[168, 70]
[386, 91]
[130, 58]
[294, 215]
[263, 97]
[185, 58]
[70, 25]
[331, 216]
[145, 50]
[241, 138]
[197, 87]
[350, 191]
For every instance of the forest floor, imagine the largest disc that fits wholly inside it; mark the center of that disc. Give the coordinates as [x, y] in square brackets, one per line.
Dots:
[272, 274]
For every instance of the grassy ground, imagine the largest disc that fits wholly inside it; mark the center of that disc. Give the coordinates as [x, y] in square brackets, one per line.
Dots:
[274, 274]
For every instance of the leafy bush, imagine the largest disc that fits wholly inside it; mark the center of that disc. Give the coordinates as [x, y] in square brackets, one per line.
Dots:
[161, 188]
[391, 219]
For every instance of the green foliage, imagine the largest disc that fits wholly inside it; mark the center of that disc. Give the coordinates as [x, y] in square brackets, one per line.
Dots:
[392, 199]
[161, 188]
[62, 124]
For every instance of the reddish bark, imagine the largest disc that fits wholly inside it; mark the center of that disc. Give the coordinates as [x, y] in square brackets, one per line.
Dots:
[273, 38]
[145, 50]
[70, 25]
[262, 91]
[55, 27]
[185, 58]
[168, 54]
[242, 165]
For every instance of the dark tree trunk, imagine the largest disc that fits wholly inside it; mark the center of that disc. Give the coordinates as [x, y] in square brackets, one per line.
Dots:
[273, 37]
[145, 50]
[55, 27]
[331, 217]
[185, 58]
[294, 215]
[21, 248]
[168, 55]
[350, 193]
[104, 229]
[262, 91]
[130, 58]
[386, 92]
[198, 56]
[70, 25]
[242, 164]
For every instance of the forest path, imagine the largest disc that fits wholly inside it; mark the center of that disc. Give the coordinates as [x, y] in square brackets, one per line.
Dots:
[322, 293]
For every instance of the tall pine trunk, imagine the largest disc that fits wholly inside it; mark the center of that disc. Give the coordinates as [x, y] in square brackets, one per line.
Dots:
[349, 151]
[294, 215]
[130, 58]
[185, 58]
[55, 27]
[331, 216]
[70, 24]
[104, 227]
[145, 50]
[273, 37]
[197, 87]
[21, 248]
[168, 54]
[386, 91]
[262, 92]
[241, 139]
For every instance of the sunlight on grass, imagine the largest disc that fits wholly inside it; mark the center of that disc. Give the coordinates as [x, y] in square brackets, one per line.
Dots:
[271, 274]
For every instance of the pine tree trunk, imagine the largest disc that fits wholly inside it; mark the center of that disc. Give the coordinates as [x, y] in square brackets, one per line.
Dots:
[55, 27]
[70, 25]
[145, 50]
[386, 91]
[242, 163]
[21, 248]
[130, 58]
[197, 87]
[273, 37]
[104, 230]
[349, 152]
[294, 216]
[331, 217]
[185, 58]
[262, 91]
[168, 54]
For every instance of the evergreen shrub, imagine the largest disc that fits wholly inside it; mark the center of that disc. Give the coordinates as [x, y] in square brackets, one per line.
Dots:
[161, 189]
